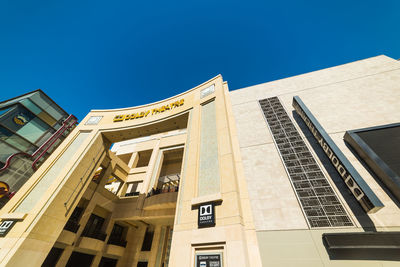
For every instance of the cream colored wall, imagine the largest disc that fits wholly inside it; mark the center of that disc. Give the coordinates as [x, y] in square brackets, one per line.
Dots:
[29, 242]
[304, 248]
[234, 232]
[356, 95]
[351, 96]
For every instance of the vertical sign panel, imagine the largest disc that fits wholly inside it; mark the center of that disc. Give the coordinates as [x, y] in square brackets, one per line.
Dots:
[316, 196]
[209, 182]
[206, 216]
[353, 180]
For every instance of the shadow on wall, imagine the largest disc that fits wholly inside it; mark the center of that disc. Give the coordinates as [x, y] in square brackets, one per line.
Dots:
[377, 179]
[365, 254]
[363, 246]
[362, 217]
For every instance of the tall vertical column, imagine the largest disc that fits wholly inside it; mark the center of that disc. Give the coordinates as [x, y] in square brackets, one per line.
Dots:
[133, 160]
[131, 164]
[154, 168]
[151, 168]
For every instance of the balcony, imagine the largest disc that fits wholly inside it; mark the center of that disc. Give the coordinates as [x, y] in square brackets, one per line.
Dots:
[114, 250]
[66, 237]
[117, 242]
[166, 184]
[94, 234]
[165, 200]
[92, 244]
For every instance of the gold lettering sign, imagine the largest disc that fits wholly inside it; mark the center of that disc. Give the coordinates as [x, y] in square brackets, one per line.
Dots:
[153, 111]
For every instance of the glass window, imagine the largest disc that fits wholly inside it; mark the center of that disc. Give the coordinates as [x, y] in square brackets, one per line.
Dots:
[16, 118]
[38, 111]
[16, 141]
[45, 137]
[33, 130]
[46, 104]
[4, 111]
[31, 106]
[6, 151]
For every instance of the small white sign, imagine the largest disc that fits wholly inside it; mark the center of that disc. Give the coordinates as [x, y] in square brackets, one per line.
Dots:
[93, 120]
[207, 91]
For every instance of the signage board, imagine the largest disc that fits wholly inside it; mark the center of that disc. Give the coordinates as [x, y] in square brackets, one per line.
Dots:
[151, 112]
[208, 260]
[206, 216]
[353, 180]
[6, 226]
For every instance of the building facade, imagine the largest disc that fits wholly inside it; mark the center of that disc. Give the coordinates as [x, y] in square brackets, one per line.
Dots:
[31, 127]
[302, 171]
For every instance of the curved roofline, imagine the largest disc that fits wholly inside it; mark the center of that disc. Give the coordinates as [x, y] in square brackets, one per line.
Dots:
[157, 102]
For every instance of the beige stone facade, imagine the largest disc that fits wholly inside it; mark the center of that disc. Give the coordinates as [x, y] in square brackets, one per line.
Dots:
[125, 187]
[352, 96]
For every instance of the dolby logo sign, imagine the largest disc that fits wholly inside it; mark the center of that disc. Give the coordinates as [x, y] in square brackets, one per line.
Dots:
[206, 215]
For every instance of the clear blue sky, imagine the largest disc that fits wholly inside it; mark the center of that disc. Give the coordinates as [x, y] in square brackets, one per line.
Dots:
[111, 54]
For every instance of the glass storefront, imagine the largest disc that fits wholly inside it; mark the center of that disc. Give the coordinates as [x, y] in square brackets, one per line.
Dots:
[26, 123]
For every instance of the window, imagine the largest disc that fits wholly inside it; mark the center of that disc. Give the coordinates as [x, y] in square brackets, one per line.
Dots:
[52, 258]
[93, 227]
[117, 232]
[72, 224]
[79, 259]
[148, 240]
[16, 141]
[108, 262]
[6, 151]
[132, 189]
[117, 236]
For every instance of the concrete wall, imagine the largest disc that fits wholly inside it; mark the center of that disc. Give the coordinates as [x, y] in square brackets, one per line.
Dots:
[356, 95]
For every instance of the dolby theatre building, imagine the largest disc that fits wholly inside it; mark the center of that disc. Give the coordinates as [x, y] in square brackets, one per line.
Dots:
[303, 171]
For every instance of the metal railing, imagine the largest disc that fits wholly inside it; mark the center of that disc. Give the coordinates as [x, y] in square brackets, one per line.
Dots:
[169, 183]
[46, 146]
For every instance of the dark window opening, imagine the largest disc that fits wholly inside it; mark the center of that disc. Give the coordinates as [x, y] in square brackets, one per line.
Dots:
[80, 259]
[108, 262]
[132, 189]
[53, 257]
[72, 224]
[117, 236]
[148, 240]
[93, 228]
